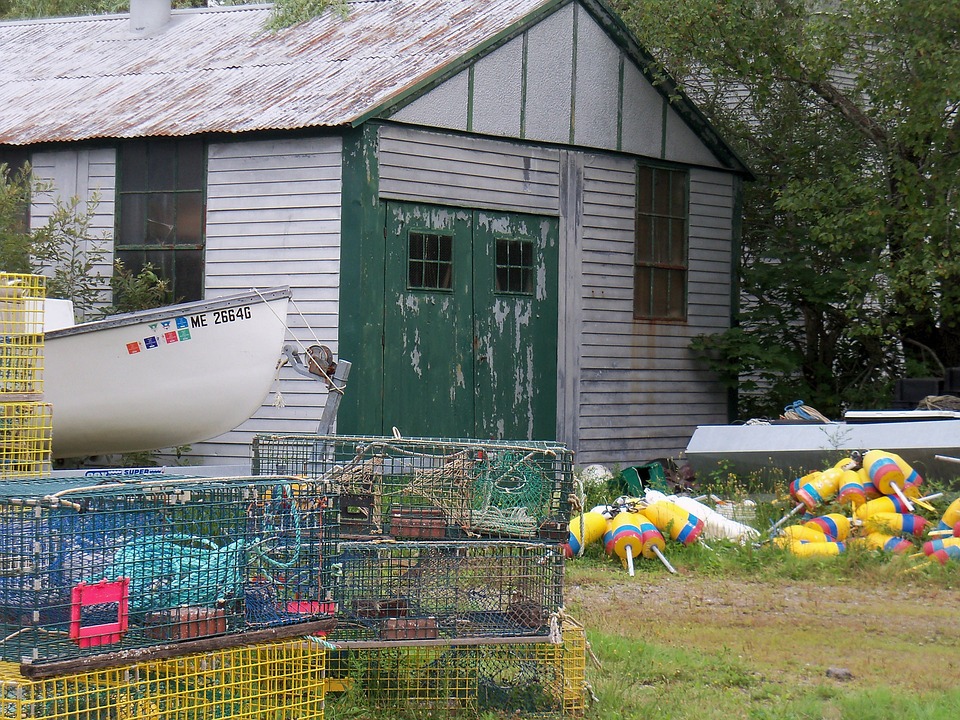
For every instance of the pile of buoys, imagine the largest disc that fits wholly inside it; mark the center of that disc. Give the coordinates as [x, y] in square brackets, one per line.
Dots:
[881, 490]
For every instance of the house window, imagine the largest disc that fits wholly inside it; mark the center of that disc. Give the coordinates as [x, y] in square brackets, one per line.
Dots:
[430, 261]
[515, 265]
[16, 159]
[660, 258]
[161, 210]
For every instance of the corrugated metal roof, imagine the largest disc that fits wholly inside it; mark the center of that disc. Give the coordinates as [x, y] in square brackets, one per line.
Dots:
[219, 70]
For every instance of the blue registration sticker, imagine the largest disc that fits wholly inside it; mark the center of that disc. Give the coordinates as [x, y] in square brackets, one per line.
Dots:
[150, 342]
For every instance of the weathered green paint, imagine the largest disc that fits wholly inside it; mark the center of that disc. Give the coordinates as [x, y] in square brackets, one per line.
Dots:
[361, 283]
[516, 333]
[524, 70]
[621, 69]
[573, 77]
[470, 361]
[427, 334]
[736, 239]
[471, 84]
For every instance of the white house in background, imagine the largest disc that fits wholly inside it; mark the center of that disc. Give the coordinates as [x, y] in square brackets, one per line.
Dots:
[487, 207]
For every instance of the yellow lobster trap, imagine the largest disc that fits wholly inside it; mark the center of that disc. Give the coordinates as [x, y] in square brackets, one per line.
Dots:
[270, 681]
[21, 335]
[543, 680]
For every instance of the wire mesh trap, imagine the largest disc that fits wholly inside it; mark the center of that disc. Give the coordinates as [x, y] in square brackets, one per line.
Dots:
[279, 681]
[430, 590]
[26, 438]
[531, 680]
[21, 334]
[420, 488]
[88, 569]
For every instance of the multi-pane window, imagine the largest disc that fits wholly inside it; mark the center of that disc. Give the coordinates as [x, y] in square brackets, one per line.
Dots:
[430, 261]
[514, 260]
[660, 259]
[161, 211]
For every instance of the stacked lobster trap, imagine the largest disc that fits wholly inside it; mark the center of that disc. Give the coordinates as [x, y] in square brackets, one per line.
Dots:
[25, 419]
[452, 545]
[103, 571]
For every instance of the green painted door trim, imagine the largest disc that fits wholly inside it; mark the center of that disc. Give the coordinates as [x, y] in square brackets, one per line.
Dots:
[361, 282]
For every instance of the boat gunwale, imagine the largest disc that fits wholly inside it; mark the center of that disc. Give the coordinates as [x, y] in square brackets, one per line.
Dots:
[190, 308]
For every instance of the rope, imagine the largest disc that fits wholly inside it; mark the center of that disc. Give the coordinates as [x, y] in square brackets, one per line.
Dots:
[798, 411]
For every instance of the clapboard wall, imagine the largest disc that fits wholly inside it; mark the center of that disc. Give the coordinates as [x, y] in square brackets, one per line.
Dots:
[628, 391]
[273, 218]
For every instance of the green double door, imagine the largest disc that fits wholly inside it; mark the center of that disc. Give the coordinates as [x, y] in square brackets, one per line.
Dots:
[470, 323]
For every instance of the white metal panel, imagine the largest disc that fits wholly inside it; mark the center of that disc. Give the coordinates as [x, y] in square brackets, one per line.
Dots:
[683, 145]
[597, 86]
[642, 132]
[430, 167]
[445, 106]
[497, 91]
[273, 218]
[548, 111]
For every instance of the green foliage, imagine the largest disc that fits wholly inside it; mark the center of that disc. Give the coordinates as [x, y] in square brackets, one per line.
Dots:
[291, 12]
[66, 251]
[14, 238]
[140, 291]
[848, 118]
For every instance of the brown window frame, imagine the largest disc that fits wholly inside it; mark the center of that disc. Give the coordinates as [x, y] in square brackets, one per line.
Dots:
[661, 244]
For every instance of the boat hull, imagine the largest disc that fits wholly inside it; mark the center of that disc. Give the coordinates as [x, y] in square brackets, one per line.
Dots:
[163, 378]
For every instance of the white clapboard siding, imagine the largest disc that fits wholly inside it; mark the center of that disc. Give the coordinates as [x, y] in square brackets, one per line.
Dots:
[468, 172]
[273, 218]
[642, 391]
[86, 174]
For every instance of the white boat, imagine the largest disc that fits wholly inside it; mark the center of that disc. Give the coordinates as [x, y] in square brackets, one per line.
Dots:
[164, 377]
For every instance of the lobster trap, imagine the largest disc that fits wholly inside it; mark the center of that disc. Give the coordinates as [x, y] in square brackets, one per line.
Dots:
[26, 437]
[431, 489]
[279, 680]
[92, 568]
[403, 591]
[21, 335]
[532, 680]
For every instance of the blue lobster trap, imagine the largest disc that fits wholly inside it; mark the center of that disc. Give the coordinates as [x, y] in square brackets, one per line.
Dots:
[94, 568]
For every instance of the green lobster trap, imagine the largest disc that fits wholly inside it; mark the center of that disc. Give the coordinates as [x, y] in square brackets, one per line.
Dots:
[415, 591]
[103, 566]
[433, 489]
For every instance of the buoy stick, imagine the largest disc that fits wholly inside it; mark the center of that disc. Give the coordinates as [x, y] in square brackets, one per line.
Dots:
[938, 533]
[903, 498]
[666, 563]
[933, 496]
[786, 517]
[947, 458]
[630, 559]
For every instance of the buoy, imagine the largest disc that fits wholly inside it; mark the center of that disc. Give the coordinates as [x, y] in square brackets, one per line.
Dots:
[825, 548]
[886, 474]
[883, 504]
[671, 519]
[821, 489]
[896, 523]
[886, 543]
[835, 525]
[951, 516]
[851, 489]
[631, 535]
[715, 525]
[942, 550]
[594, 525]
[804, 533]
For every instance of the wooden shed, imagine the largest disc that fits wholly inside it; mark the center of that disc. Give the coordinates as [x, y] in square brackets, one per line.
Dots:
[489, 208]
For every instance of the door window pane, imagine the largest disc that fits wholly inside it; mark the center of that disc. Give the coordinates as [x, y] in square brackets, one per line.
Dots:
[429, 261]
[514, 263]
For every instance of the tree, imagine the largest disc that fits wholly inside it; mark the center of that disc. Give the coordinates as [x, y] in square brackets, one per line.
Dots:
[849, 112]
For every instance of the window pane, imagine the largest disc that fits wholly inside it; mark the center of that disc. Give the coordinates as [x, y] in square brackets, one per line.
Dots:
[429, 261]
[190, 161]
[514, 265]
[641, 292]
[133, 210]
[661, 192]
[162, 166]
[644, 239]
[645, 189]
[661, 250]
[678, 242]
[188, 273]
[133, 166]
[678, 192]
[161, 219]
[189, 219]
[676, 294]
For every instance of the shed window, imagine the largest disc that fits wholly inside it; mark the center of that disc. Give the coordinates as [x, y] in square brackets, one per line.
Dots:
[160, 218]
[660, 257]
[430, 261]
[515, 265]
